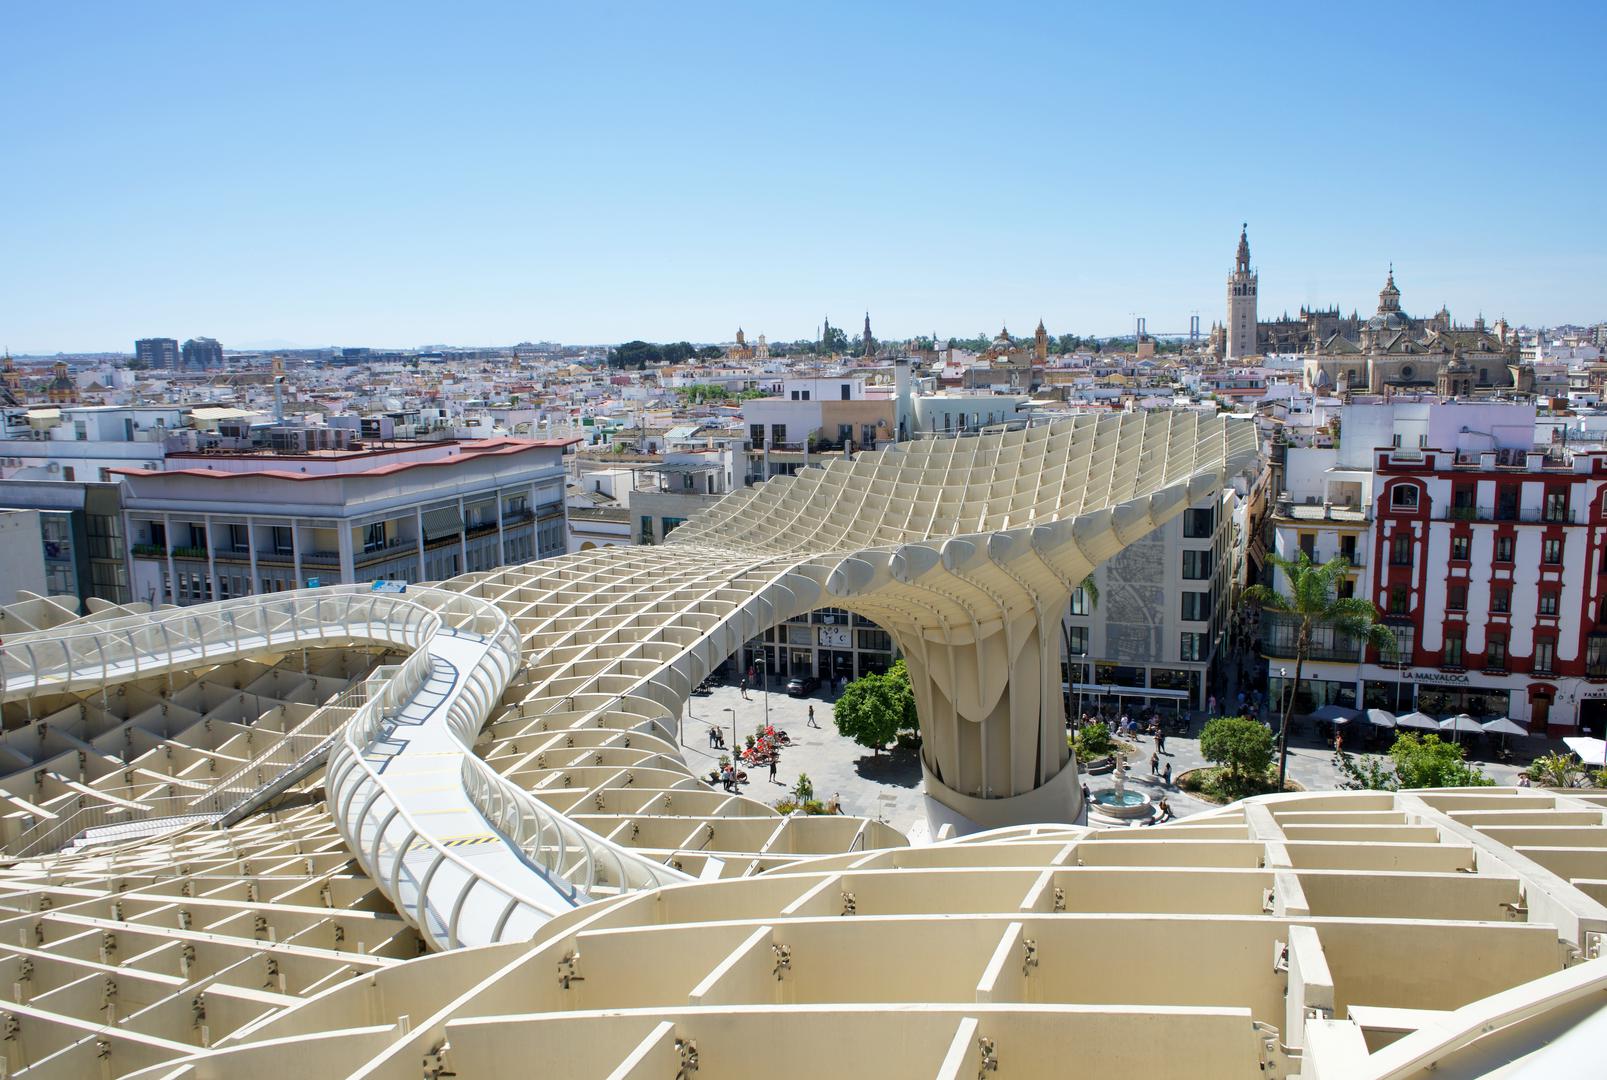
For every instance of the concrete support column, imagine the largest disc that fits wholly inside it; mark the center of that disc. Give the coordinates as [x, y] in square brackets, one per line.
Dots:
[295, 552]
[418, 524]
[251, 553]
[211, 557]
[172, 574]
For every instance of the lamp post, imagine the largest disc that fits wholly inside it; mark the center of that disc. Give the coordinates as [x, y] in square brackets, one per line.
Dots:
[1283, 704]
[763, 662]
[733, 713]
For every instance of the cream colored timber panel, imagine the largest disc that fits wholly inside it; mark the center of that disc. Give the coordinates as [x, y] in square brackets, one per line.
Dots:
[1028, 948]
[966, 550]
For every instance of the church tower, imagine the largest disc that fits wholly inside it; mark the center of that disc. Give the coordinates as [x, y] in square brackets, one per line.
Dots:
[870, 342]
[1040, 344]
[1241, 302]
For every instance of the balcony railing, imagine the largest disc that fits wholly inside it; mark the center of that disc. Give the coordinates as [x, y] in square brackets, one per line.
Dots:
[156, 551]
[1532, 515]
[1280, 634]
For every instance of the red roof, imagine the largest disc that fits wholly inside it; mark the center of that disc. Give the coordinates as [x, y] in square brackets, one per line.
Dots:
[473, 449]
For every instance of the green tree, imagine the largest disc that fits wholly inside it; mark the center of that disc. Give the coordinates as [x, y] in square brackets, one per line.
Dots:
[1313, 601]
[678, 352]
[634, 354]
[1414, 761]
[1240, 745]
[873, 709]
[833, 340]
[710, 352]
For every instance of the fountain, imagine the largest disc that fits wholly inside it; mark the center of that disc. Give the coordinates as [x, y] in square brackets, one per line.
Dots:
[1120, 803]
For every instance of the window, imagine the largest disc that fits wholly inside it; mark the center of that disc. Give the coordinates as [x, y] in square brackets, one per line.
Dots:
[1398, 600]
[756, 434]
[1556, 506]
[1453, 650]
[1191, 648]
[778, 434]
[198, 536]
[1308, 544]
[1460, 546]
[1551, 551]
[1545, 655]
[1199, 524]
[647, 529]
[374, 536]
[1196, 606]
[1400, 550]
[1501, 599]
[239, 538]
[1548, 603]
[1403, 496]
[1596, 657]
[1506, 503]
[844, 388]
[283, 543]
[1503, 549]
[1077, 640]
[1196, 565]
[1456, 598]
[1079, 601]
[845, 433]
[1405, 643]
[1495, 651]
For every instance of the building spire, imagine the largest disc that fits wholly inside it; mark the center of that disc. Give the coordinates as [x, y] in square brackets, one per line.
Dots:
[1241, 261]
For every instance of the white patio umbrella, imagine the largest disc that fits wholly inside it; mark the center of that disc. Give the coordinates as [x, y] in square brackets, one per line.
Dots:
[1503, 726]
[1461, 724]
[1380, 718]
[1421, 721]
[1590, 751]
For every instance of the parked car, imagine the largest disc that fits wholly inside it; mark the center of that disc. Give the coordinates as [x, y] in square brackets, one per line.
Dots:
[799, 685]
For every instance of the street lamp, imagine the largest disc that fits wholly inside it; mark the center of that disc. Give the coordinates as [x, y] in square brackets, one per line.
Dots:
[733, 713]
[1283, 703]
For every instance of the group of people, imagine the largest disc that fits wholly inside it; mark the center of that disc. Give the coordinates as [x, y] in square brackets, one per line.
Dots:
[1248, 705]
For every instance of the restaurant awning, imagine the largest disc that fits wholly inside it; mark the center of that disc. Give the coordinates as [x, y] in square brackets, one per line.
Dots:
[442, 521]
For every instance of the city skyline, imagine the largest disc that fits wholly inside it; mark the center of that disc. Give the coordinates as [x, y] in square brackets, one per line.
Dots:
[393, 180]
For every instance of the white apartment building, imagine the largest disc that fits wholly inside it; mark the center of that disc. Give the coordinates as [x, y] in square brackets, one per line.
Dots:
[214, 526]
[87, 442]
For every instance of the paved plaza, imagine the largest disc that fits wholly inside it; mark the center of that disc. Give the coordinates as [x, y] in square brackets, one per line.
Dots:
[887, 787]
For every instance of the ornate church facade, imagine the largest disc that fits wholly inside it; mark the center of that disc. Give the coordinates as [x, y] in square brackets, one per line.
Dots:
[1388, 351]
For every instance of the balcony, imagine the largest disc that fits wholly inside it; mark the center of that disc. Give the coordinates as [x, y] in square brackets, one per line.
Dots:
[1528, 515]
[517, 517]
[159, 551]
[1280, 635]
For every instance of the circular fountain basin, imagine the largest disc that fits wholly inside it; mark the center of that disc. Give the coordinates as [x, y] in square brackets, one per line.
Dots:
[1128, 805]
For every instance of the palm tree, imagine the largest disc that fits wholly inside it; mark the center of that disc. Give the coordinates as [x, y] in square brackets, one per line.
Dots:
[1313, 600]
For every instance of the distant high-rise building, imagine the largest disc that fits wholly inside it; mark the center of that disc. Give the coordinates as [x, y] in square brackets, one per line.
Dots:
[157, 352]
[1241, 302]
[203, 353]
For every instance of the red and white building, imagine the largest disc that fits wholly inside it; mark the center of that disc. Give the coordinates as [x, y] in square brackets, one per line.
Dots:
[1485, 554]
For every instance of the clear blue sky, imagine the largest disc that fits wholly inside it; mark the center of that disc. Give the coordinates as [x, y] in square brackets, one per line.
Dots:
[396, 174]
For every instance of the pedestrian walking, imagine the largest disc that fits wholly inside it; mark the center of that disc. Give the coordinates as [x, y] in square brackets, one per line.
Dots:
[1160, 740]
[812, 717]
[1155, 764]
[1210, 705]
[742, 688]
[1166, 776]
[773, 758]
